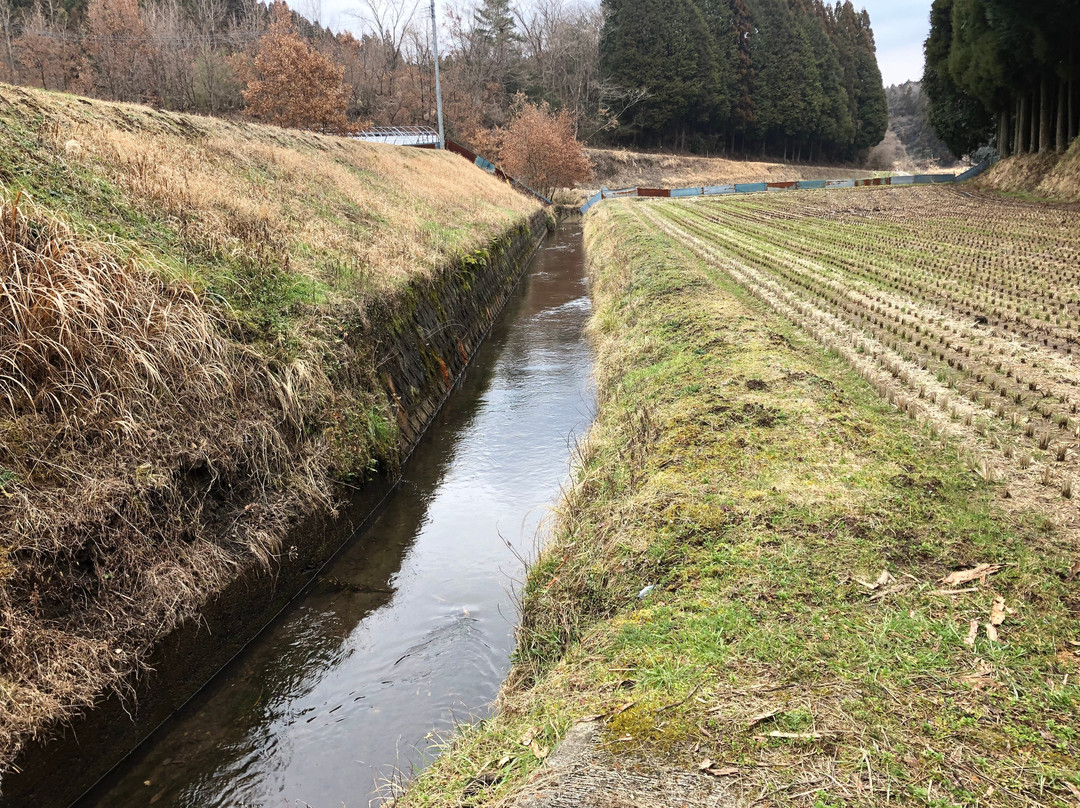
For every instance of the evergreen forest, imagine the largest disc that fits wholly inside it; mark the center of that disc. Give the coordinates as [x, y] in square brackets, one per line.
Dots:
[1003, 74]
[796, 79]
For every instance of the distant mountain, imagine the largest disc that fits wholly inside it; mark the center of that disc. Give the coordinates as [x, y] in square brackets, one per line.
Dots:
[908, 119]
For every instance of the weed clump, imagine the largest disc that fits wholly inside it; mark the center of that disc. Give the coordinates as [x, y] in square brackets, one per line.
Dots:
[145, 457]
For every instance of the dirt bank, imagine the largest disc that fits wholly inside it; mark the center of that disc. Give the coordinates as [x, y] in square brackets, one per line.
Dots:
[618, 168]
[1048, 176]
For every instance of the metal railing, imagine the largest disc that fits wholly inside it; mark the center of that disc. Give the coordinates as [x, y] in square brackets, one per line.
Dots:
[491, 168]
[789, 185]
[401, 136]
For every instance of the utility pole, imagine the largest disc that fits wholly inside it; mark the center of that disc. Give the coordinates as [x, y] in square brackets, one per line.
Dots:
[438, 89]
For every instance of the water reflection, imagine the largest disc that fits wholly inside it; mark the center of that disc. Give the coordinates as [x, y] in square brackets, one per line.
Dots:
[411, 628]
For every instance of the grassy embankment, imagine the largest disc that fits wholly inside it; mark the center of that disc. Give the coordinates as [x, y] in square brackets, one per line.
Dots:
[798, 529]
[182, 368]
[619, 168]
[1038, 176]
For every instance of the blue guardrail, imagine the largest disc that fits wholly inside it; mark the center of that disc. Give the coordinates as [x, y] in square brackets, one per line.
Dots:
[759, 187]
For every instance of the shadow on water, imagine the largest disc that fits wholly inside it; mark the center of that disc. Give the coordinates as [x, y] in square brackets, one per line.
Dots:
[411, 628]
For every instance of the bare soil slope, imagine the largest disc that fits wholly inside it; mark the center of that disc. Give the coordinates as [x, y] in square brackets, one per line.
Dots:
[1047, 176]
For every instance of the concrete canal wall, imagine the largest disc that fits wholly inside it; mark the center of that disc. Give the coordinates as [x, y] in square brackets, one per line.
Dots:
[421, 342]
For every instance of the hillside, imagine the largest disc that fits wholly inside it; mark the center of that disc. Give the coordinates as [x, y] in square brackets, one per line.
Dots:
[183, 365]
[1045, 176]
[909, 112]
[619, 168]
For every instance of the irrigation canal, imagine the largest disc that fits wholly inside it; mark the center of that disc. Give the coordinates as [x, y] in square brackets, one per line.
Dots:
[410, 629]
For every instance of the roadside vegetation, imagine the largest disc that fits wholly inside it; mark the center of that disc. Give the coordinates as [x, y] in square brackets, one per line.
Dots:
[184, 362]
[820, 547]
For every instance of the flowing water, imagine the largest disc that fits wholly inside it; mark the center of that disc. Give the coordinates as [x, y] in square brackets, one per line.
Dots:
[410, 630]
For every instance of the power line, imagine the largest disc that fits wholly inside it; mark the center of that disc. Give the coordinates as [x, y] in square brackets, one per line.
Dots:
[196, 39]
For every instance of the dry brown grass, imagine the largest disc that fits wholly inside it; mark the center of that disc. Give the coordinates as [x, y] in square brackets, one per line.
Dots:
[349, 214]
[124, 418]
[618, 168]
[183, 367]
[1046, 176]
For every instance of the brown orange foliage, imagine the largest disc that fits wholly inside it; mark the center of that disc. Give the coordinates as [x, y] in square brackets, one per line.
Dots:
[291, 84]
[540, 149]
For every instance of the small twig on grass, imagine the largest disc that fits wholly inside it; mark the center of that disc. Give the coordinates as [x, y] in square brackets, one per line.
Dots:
[680, 703]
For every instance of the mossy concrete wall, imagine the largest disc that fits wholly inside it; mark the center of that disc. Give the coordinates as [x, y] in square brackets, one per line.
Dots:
[422, 341]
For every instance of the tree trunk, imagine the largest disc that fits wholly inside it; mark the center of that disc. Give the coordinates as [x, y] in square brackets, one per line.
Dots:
[1062, 102]
[1018, 124]
[1044, 115]
[1022, 127]
[10, 51]
[1003, 134]
[1033, 124]
[1072, 110]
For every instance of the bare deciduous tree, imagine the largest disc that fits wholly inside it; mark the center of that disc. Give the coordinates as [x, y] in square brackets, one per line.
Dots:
[46, 53]
[540, 149]
[116, 40]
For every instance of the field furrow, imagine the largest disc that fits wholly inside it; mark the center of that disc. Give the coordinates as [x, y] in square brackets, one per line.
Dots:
[899, 289]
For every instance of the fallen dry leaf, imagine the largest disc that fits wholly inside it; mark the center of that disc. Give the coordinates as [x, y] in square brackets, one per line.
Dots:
[504, 761]
[527, 738]
[976, 573]
[1074, 570]
[884, 579]
[998, 611]
[1075, 791]
[963, 591]
[622, 708]
[709, 767]
[977, 679]
[726, 771]
[540, 752]
[992, 632]
[757, 719]
[973, 632]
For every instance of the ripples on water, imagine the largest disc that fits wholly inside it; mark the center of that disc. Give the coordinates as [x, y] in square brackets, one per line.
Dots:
[411, 628]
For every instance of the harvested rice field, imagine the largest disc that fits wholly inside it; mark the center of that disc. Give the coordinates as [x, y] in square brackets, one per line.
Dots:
[821, 544]
[964, 312]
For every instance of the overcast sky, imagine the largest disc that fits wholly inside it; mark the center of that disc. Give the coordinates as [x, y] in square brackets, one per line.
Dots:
[900, 27]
